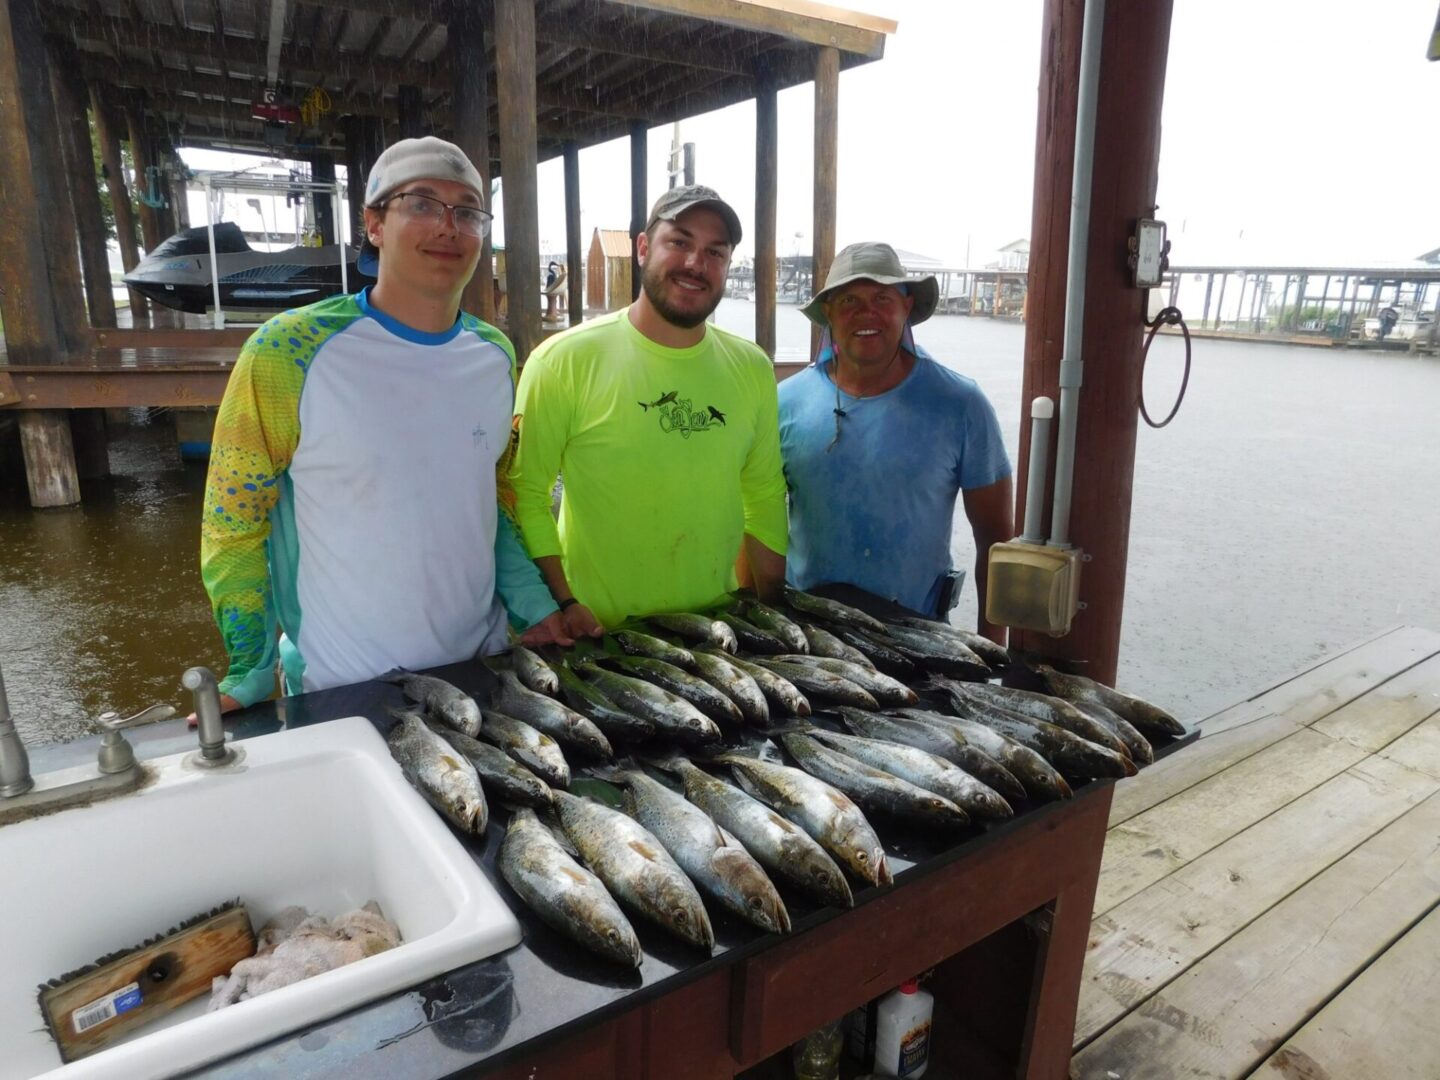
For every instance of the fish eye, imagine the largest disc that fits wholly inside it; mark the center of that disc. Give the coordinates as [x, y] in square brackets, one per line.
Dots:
[862, 856]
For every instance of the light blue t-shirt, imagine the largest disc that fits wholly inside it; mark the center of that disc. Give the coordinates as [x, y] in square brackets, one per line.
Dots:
[876, 508]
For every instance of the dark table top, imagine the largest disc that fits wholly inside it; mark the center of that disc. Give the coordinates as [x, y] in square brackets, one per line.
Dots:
[494, 1011]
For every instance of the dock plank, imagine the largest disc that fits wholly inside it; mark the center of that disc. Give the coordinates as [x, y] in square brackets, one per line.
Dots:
[1382, 1024]
[1242, 1001]
[1158, 842]
[1198, 762]
[1321, 690]
[1418, 749]
[1388, 711]
[1155, 936]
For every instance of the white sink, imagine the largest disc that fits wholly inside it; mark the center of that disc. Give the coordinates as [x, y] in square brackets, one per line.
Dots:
[319, 816]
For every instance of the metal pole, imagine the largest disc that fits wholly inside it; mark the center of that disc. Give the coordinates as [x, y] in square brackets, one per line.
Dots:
[1072, 366]
[219, 319]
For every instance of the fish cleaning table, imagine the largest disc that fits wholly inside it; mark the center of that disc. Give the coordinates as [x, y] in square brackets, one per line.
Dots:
[1002, 917]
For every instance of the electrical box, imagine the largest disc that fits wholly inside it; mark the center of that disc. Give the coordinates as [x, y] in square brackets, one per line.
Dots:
[1033, 587]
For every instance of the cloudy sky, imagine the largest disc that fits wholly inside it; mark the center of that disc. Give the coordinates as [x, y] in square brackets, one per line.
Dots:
[1294, 131]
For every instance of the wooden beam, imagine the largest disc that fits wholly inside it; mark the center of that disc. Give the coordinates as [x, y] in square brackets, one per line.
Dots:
[470, 69]
[574, 254]
[78, 152]
[767, 161]
[515, 80]
[827, 134]
[1135, 38]
[814, 24]
[54, 388]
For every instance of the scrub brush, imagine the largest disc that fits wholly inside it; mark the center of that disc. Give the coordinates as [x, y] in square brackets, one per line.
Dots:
[88, 1009]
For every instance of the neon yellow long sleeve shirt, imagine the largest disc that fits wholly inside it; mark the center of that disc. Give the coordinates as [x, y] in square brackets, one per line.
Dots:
[668, 457]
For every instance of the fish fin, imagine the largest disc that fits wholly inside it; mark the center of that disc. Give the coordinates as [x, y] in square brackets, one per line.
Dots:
[394, 675]
[613, 773]
[400, 712]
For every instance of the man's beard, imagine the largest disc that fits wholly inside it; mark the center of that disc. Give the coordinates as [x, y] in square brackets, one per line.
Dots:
[654, 285]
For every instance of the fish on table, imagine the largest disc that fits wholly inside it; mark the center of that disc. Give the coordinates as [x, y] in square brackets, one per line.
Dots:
[701, 629]
[566, 896]
[735, 683]
[672, 715]
[590, 701]
[872, 788]
[710, 700]
[440, 699]
[529, 746]
[559, 721]
[1041, 779]
[780, 845]
[778, 690]
[438, 771]
[714, 859]
[505, 778]
[635, 867]
[827, 814]
[533, 671]
[945, 742]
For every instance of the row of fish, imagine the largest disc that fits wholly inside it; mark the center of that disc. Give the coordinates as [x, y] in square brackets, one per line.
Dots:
[954, 752]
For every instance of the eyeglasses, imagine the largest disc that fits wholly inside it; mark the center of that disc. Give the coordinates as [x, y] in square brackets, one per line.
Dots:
[470, 220]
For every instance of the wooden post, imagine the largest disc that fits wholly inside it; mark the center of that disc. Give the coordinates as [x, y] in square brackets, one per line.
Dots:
[470, 70]
[51, 205]
[49, 458]
[322, 171]
[411, 107]
[639, 199]
[120, 201]
[767, 157]
[827, 135]
[180, 188]
[515, 89]
[143, 160]
[78, 152]
[87, 435]
[25, 301]
[355, 170]
[689, 157]
[1127, 143]
[574, 268]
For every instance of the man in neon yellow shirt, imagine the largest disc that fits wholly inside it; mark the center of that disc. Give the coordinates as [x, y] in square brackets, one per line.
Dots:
[665, 431]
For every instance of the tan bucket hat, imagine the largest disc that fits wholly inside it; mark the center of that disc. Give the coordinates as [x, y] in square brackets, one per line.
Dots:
[871, 261]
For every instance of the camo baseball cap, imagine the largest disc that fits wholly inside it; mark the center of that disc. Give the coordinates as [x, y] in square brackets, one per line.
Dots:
[676, 201]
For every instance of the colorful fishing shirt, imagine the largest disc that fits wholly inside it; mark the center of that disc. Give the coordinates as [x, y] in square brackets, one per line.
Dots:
[351, 500]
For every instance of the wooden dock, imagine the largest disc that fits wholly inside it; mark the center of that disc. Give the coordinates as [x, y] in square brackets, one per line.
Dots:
[1268, 899]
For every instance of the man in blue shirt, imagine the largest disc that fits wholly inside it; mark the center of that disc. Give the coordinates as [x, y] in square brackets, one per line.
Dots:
[878, 440]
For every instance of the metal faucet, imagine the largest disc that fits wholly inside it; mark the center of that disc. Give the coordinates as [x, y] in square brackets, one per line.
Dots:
[15, 776]
[213, 751]
[115, 772]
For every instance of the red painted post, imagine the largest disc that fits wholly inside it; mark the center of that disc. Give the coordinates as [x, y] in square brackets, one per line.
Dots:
[1135, 44]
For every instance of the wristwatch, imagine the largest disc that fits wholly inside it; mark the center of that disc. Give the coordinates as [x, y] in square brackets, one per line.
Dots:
[569, 601]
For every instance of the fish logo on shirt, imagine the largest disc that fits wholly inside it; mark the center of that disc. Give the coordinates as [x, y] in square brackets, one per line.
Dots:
[664, 399]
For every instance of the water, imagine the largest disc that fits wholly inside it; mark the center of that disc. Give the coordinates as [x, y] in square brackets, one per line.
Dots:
[101, 606]
[1288, 511]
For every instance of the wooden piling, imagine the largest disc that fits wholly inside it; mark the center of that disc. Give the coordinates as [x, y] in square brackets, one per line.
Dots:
[411, 107]
[88, 436]
[30, 334]
[143, 160]
[827, 136]
[470, 70]
[322, 171]
[515, 90]
[51, 205]
[1135, 45]
[574, 268]
[78, 152]
[767, 158]
[639, 201]
[119, 200]
[49, 458]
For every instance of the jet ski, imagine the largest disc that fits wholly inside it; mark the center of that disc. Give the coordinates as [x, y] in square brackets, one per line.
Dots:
[177, 273]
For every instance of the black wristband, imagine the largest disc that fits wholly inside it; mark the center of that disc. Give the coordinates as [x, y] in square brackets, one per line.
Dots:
[569, 601]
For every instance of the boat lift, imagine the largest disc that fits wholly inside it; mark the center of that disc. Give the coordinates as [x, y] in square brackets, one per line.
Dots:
[216, 183]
